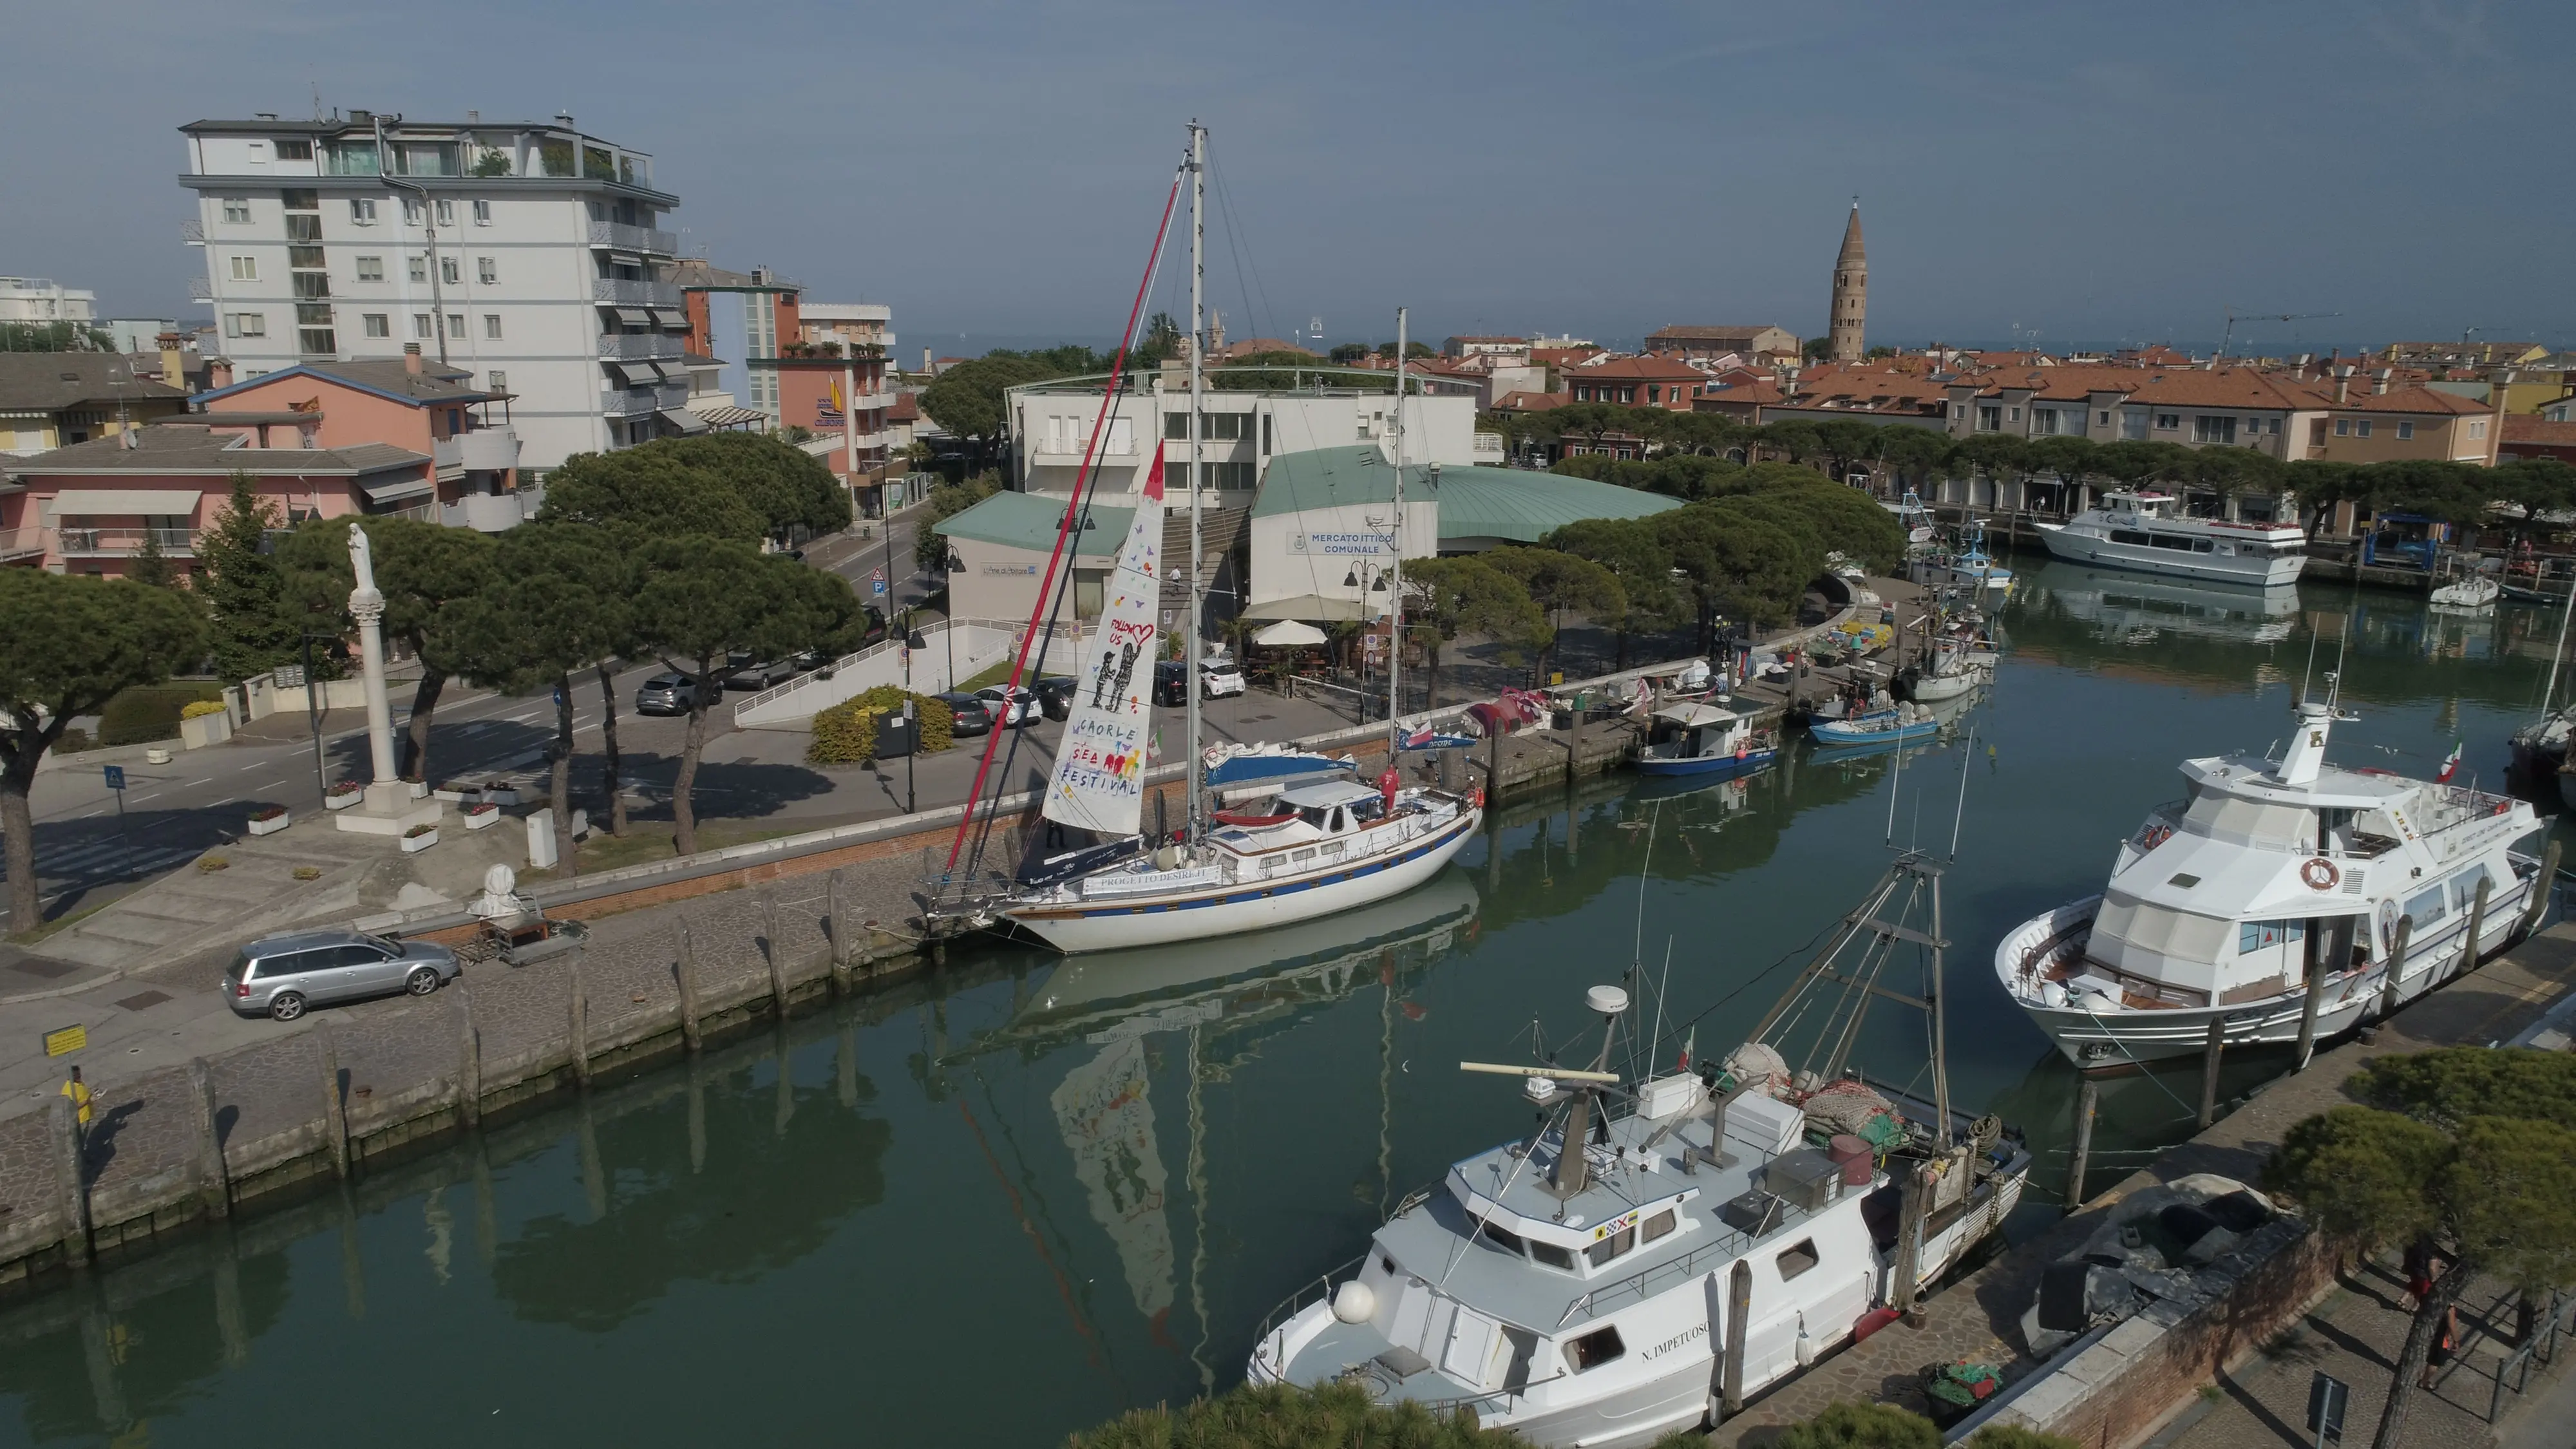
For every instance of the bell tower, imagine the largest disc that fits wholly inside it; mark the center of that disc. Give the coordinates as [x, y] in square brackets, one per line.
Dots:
[1851, 294]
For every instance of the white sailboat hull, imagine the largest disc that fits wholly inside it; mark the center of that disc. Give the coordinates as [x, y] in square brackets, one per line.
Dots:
[2083, 545]
[1231, 908]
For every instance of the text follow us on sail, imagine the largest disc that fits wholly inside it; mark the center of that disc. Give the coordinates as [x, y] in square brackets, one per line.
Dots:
[1099, 781]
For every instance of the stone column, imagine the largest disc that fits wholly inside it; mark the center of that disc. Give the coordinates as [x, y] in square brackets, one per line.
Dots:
[367, 606]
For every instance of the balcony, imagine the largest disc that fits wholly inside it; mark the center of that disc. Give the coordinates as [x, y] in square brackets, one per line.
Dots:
[125, 542]
[192, 233]
[201, 289]
[635, 294]
[19, 544]
[637, 346]
[643, 239]
[484, 450]
[636, 402]
[492, 512]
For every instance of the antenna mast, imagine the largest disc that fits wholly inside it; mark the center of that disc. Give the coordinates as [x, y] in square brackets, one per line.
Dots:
[1198, 480]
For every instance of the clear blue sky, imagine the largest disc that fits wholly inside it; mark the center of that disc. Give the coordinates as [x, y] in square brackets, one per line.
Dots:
[2095, 172]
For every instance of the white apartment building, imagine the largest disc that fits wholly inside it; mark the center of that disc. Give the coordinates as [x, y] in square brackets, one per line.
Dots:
[41, 300]
[522, 251]
[1051, 424]
[852, 324]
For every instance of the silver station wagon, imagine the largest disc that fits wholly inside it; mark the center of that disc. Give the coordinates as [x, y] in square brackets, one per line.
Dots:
[282, 975]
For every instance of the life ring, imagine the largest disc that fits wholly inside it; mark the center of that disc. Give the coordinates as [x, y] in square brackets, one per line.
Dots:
[2156, 835]
[1476, 797]
[2320, 874]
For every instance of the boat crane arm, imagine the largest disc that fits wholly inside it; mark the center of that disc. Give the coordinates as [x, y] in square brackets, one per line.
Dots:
[1562, 1074]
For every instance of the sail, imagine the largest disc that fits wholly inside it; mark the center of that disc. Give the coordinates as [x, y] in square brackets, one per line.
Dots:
[1099, 780]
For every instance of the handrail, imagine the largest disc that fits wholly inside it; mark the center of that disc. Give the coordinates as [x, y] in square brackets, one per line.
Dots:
[2545, 1337]
[1732, 1244]
[848, 661]
[1296, 1302]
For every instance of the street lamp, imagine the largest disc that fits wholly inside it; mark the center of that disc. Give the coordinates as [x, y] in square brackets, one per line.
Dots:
[912, 723]
[948, 635]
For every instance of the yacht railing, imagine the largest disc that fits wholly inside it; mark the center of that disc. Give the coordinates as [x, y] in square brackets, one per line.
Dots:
[1507, 1392]
[1297, 1302]
[1730, 1245]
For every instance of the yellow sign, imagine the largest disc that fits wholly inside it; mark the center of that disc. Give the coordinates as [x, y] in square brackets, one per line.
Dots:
[69, 1039]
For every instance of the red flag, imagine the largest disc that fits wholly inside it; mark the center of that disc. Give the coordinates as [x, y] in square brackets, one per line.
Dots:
[1154, 479]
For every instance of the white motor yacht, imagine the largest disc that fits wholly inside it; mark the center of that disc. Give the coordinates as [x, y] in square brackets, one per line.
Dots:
[2269, 877]
[2143, 531]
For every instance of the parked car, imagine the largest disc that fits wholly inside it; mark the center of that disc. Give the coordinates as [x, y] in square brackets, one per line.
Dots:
[1171, 683]
[666, 693]
[1055, 695]
[280, 976]
[1010, 705]
[967, 715]
[1219, 679]
[746, 671]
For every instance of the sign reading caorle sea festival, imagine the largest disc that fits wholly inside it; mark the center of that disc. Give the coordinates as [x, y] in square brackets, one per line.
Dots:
[1099, 780]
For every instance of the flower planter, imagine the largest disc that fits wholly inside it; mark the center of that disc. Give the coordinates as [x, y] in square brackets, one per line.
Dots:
[156, 756]
[342, 800]
[415, 844]
[482, 819]
[204, 730]
[419, 788]
[272, 825]
[454, 791]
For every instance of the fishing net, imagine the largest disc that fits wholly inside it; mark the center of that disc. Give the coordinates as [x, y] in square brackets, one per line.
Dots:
[1759, 1068]
[1851, 1107]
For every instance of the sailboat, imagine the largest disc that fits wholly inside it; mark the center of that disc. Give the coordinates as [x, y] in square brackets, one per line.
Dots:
[1321, 847]
[1667, 1245]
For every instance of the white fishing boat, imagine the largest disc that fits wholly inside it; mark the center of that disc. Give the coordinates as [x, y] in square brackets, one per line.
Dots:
[2474, 594]
[1315, 848]
[1666, 1247]
[2139, 530]
[2280, 898]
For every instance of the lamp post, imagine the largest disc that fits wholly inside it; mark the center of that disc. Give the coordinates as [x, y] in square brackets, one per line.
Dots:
[1378, 574]
[948, 634]
[912, 723]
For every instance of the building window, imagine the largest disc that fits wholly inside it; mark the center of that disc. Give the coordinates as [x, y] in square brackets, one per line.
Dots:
[2105, 418]
[2478, 428]
[237, 210]
[316, 342]
[456, 325]
[492, 325]
[1654, 392]
[411, 212]
[379, 325]
[1627, 395]
[245, 324]
[245, 269]
[451, 270]
[420, 325]
[446, 212]
[2043, 420]
[2362, 428]
[294, 150]
[2343, 427]
[2016, 415]
[500, 380]
[371, 269]
[419, 268]
[2168, 422]
[1990, 417]
[313, 314]
[482, 213]
[2405, 431]
[2208, 429]
[487, 271]
[362, 210]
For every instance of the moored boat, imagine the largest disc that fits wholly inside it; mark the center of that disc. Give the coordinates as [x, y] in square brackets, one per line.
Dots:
[1701, 739]
[2140, 530]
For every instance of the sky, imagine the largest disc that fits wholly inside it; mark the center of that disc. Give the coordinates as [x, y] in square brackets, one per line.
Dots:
[2057, 176]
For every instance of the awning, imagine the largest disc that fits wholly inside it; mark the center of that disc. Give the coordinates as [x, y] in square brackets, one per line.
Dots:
[635, 316]
[626, 259]
[685, 420]
[670, 319]
[624, 372]
[1289, 631]
[124, 502]
[406, 489]
[1692, 716]
[1310, 607]
[670, 371]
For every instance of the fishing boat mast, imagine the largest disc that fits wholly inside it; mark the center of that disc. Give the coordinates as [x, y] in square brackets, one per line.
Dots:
[1198, 477]
[1395, 624]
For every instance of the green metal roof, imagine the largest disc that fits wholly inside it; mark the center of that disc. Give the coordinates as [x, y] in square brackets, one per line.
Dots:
[1031, 520]
[1507, 503]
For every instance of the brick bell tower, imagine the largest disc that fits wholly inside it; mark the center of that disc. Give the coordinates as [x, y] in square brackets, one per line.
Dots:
[1851, 294]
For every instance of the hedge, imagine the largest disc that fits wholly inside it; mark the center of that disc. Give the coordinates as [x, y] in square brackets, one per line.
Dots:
[846, 734]
[150, 712]
[201, 709]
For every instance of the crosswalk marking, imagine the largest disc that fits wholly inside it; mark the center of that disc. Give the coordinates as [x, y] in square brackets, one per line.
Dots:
[95, 858]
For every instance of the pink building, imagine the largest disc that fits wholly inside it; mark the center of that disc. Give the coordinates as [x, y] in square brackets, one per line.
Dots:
[409, 403]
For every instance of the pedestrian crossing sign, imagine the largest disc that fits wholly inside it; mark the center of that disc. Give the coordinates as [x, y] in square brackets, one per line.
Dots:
[65, 1041]
[114, 775]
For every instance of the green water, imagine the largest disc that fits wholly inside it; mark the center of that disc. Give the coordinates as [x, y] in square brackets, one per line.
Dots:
[993, 1207]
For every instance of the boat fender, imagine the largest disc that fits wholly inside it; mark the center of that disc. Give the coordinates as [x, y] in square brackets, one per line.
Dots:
[1354, 1302]
[2052, 994]
[1806, 1343]
[2320, 874]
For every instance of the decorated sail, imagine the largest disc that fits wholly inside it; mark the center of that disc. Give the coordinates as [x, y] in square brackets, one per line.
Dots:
[1099, 780]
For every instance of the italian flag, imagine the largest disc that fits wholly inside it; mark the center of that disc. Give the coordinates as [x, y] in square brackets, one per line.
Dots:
[2450, 766]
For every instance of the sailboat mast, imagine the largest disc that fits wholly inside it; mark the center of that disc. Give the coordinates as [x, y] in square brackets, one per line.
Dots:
[1395, 628]
[1940, 1023]
[2549, 691]
[1198, 478]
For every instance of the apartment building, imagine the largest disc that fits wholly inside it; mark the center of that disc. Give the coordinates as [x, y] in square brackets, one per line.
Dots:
[40, 300]
[523, 252]
[1758, 341]
[53, 399]
[1051, 425]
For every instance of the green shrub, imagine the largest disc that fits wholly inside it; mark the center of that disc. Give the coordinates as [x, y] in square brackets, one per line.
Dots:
[151, 712]
[1274, 1416]
[846, 734]
[1847, 1425]
[2014, 1436]
[73, 741]
[201, 708]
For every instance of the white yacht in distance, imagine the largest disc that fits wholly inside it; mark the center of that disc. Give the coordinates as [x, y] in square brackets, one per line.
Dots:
[1617, 1275]
[2141, 531]
[2222, 905]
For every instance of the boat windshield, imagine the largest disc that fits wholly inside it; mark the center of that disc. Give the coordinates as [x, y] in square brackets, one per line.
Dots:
[2252, 822]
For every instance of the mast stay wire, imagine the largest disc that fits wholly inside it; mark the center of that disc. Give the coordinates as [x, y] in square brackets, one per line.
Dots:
[1234, 229]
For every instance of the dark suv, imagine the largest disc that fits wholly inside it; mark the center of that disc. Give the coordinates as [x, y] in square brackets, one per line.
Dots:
[1055, 695]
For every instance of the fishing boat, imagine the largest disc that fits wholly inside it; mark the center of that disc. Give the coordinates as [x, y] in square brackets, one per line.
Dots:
[1973, 565]
[1908, 721]
[1701, 739]
[1319, 847]
[1668, 1245]
[2141, 530]
[2282, 899]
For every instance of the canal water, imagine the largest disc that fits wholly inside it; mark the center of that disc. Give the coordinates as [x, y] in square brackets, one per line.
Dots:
[1006, 1203]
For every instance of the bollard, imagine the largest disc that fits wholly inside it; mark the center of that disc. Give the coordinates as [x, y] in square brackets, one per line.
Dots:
[469, 1060]
[1906, 1289]
[71, 1178]
[2541, 885]
[2087, 1098]
[580, 1024]
[1739, 1320]
[335, 1112]
[2471, 957]
[840, 928]
[686, 972]
[214, 1184]
[2388, 995]
[1494, 768]
[2209, 1071]
[777, 957]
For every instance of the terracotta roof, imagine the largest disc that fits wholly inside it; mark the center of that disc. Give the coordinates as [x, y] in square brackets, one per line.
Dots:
[1563, 356]
[1535, 402]
[1739, 338]
[905, 408]
[2533, 428]
[1513, 340]
[2411, 400]
[194, 448]
[1644, 369]
[2225, 387]
[1763, 393]
[387, 378]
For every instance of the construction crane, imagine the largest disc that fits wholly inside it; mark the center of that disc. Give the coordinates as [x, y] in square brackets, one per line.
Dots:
[2233, 315]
